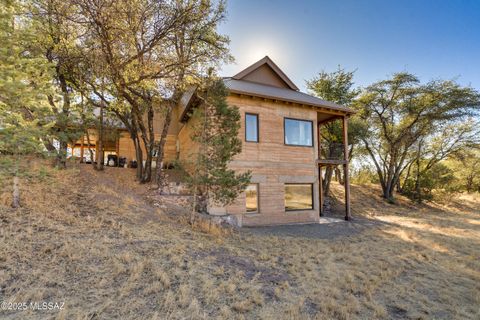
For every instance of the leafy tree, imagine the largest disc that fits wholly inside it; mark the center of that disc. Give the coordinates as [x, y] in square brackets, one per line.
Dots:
[216, 134]
[337, 87]
[199, 48]
[55, 38]
[466, 167]
[149, 50]
[400, 112]
[442, 142]
[420, 187]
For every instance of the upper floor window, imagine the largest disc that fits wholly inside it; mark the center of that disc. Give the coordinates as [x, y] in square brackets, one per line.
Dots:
[298, 132]
[251, 127]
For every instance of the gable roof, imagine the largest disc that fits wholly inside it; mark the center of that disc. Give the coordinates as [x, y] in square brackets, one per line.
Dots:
[264, 79]
[265, 71]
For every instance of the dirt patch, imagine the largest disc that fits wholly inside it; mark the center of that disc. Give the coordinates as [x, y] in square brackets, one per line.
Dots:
[268, 277]
[333, 230]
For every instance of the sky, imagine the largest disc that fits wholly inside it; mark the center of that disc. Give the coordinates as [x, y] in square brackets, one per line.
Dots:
[433, 39]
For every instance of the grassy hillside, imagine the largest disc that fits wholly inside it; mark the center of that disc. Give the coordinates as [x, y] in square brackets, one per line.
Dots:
[89, 239]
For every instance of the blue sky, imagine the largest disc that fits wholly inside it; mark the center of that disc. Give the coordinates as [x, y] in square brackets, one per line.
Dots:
[432, 39]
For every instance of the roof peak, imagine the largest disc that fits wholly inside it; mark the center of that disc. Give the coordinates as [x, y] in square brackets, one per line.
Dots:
[257, 73]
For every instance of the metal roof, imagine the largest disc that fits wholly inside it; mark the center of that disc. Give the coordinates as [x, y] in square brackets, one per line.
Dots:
[283, 94]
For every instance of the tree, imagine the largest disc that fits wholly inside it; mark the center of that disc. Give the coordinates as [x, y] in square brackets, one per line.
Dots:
[55, 38]
[466, 165]
[216, 134]
[336, 87]
[442, 142]
[148, 50]
[24, 87]
[198, 49]
[400, 112]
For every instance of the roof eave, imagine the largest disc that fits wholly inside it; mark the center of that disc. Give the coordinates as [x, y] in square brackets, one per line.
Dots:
[339, 109]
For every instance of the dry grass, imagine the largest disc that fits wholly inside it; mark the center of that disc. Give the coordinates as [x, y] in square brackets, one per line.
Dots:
[107, 254]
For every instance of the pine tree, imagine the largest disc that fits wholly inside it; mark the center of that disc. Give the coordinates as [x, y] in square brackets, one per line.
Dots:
[216, 133]
[24, 86]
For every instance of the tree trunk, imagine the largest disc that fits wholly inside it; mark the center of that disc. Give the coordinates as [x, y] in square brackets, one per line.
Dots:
[147, 169]
[386, 193]
[339, 176]
[328, 179]
[90, 149]
[139, 155]
[62, 123]
[16, 188]
[407, 176]
[160, 174]
[61, 159]
[100, 155]
[418, 195]
[149, 147]
[469, 184]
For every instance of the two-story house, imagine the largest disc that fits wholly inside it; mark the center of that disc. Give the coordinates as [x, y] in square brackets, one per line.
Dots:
[280, 135]
[279, 131]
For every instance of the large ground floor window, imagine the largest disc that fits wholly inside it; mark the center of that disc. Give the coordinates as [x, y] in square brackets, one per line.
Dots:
[251, 195]
[298, 196]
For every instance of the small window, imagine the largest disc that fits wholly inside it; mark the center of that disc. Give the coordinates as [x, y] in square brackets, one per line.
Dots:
[298, 132]
[251, 195]
[251, 127]
[298, 196]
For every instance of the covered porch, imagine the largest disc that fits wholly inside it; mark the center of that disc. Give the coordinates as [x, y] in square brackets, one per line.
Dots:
[87, 147]
[332, 155]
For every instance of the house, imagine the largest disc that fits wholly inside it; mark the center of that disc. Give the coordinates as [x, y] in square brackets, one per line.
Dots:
[280, 146]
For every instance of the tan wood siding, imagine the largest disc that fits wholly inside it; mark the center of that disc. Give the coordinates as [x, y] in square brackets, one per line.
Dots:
[273, 163]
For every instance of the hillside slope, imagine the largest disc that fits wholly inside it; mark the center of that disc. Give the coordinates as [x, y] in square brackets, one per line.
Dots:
[89, 239]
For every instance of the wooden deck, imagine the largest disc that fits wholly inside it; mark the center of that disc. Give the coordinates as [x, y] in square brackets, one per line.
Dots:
[330, 162]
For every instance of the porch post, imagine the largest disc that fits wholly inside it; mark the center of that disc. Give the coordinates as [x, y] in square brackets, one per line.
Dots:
[320, 179]
[117, 146]
[345, 168]
[320, 190]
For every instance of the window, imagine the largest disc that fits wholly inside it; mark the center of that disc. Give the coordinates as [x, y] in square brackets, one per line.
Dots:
[298, 132]
[251, 195]
[251, 127]
[298, 196]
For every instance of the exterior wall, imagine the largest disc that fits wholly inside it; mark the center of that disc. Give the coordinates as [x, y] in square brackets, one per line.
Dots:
[273, 163]
[126, 148]
[187, 148]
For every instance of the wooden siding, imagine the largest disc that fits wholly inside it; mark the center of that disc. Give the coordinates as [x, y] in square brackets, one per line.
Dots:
[126, 148]
[273, 163]
[188, 149]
